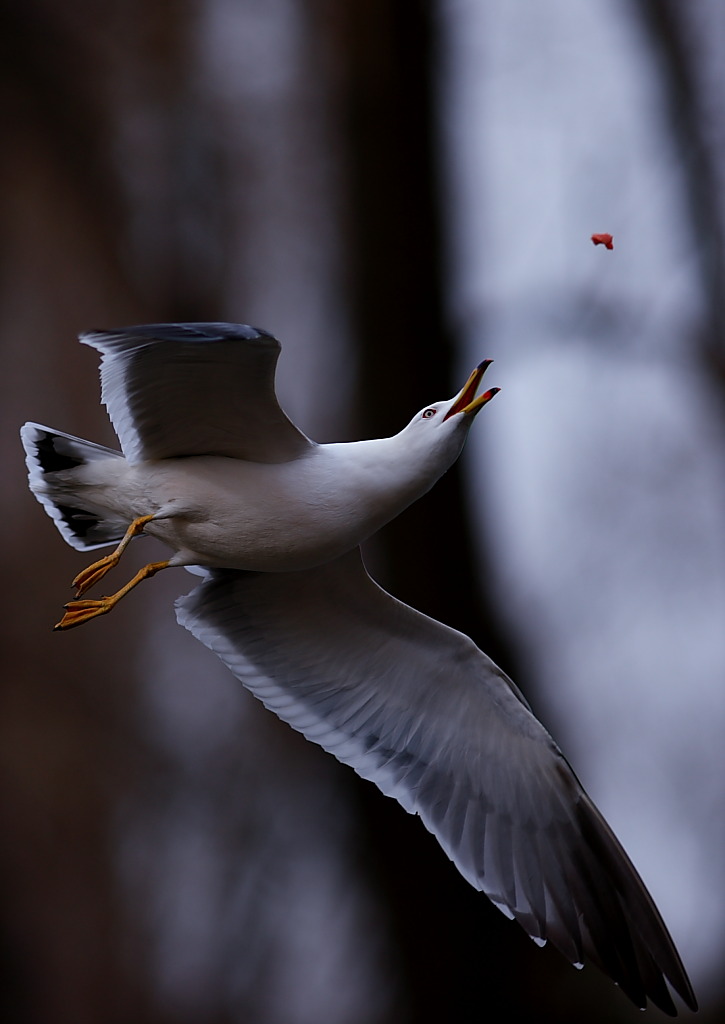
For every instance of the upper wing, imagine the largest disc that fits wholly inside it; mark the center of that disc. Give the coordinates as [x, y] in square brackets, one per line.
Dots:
[194, 389]
[417, 708]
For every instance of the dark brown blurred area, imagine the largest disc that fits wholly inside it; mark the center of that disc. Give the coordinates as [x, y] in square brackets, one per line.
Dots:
[188, 161]
[169, 851]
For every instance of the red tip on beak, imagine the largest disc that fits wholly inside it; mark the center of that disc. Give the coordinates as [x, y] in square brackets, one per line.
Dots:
[467, 402]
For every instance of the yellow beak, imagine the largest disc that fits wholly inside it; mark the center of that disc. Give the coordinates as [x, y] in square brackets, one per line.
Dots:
[467, 402]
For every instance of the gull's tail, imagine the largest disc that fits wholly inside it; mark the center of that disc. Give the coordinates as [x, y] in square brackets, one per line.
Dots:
[54, 460]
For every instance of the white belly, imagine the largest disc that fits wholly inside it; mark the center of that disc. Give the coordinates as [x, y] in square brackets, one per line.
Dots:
[234, 514]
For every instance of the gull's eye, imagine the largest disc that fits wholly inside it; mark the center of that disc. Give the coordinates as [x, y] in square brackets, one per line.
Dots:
[428, 413]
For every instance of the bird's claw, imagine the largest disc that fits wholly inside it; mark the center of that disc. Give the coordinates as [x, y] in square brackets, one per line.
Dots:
[92, 574]
[78, 612]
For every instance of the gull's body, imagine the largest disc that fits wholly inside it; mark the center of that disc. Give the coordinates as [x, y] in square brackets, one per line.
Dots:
[213, 468]
[295, 515]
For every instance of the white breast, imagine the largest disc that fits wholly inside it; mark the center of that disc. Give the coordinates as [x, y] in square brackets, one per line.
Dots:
[269, 517]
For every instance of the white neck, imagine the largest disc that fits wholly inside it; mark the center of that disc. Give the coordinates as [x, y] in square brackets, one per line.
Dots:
[388, 474]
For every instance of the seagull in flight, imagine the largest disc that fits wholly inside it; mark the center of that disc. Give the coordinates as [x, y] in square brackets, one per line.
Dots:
[212, 467]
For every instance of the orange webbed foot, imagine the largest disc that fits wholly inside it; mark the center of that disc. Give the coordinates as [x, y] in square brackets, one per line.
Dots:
[93, 574]
[78, 612]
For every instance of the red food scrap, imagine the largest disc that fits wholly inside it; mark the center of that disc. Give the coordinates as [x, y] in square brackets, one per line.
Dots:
[603, 239]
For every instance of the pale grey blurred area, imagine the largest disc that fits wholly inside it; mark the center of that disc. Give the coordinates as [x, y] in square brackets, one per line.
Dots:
[601, 471]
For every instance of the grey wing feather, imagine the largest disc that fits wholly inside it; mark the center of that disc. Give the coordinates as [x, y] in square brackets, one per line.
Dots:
[418, 709]
[195, 389]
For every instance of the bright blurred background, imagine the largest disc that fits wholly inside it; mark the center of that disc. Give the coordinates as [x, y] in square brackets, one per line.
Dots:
[396, 190]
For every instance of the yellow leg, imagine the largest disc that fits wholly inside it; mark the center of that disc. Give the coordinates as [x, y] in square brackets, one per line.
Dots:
[78, 612]
[90, 576]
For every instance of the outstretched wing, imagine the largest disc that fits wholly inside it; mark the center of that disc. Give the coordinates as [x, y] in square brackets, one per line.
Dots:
[195, 389]
[418, 709]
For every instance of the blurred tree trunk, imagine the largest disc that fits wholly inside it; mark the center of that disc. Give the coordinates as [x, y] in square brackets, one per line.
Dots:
[461, 957]
[406, 355]
[159, 848]
[682, 40]
[63, 740]
[685, 41]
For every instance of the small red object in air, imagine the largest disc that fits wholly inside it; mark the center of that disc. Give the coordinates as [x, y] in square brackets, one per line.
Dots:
[603, 239]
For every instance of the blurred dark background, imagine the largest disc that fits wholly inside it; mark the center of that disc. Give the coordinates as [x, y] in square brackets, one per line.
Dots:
[395, 190]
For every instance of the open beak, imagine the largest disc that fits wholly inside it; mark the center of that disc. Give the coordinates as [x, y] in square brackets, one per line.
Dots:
[467, 401]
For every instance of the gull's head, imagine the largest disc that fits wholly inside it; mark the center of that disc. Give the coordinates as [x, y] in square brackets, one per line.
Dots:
[455, 416]
[438, 431]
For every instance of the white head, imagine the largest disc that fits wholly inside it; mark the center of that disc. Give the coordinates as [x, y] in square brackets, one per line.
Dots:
[434, 438]
[396, 471]
[446, 424]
